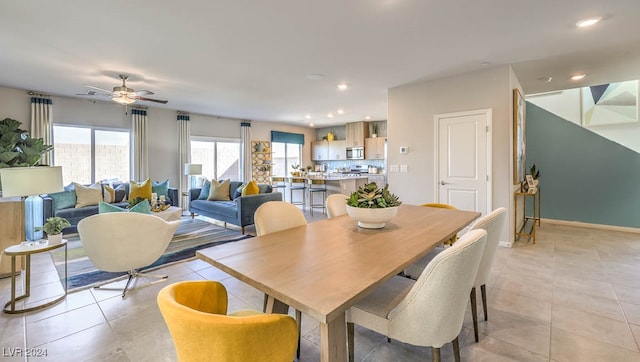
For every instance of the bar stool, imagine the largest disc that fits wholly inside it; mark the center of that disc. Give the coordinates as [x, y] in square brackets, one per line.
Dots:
[298, 184]
[317, 186]
[277, 183]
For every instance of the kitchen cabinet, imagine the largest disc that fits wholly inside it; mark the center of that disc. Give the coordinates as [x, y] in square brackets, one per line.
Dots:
[338, 150]
[320, 150]
[356, 133]
[328, 150]
[374, 148]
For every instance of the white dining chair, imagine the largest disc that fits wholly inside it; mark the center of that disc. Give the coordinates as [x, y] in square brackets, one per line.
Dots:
[492, 224]
[125, 242]
[273, 216]
[336, 205]
[427, 312]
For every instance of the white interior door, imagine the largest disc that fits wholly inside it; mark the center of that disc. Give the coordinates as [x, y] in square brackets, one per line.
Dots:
[463, 175]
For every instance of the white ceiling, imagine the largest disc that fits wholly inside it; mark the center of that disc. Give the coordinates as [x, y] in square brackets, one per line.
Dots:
[250, 59]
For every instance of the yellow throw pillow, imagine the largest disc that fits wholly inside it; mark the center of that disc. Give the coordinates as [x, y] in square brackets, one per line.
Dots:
[87, 195]
[140, 189]
[219, 190]
[251, 189]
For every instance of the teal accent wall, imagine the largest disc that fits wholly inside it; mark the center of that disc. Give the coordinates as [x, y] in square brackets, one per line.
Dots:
[583, 176]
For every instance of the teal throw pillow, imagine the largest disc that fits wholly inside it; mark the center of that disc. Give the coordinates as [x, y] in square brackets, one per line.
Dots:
[105, 208]
[162, 189]
[143, 207]
[63, 199]
[204, 191]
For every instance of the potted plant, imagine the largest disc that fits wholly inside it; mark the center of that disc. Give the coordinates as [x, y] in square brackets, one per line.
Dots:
[295, 170]
[372, 206]
[53, 228]
[17, 148]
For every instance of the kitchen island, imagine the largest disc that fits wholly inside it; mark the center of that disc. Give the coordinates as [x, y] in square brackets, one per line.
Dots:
[338, 183]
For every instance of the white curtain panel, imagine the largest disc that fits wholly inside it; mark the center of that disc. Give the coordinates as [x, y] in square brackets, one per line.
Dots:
[245, 147]
[140, 138]
[184, 151]
[42, 124]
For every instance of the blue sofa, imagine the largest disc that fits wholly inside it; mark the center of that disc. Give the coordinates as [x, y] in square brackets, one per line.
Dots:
[74, 215]
[238, 211]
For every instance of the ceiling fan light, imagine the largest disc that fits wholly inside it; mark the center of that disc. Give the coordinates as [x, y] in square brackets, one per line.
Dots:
[124, 100]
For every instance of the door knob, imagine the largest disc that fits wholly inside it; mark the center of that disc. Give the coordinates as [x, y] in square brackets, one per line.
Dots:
[445, 183]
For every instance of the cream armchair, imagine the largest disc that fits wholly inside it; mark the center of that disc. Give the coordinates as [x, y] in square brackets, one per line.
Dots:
[427, 312]
[336, 205]
[125, 242]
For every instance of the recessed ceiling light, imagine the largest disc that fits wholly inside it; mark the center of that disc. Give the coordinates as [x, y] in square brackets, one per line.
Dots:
[584, 23]
[545, 79]
[340, 111]
[330, 115]
[308, 116]
[343, 86]
[315, 76]
[578, 76]
[311, 124]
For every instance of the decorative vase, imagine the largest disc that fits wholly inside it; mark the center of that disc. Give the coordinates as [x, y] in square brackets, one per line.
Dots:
[330, 136]
[372, 218]
[259, 147]
[54, 239]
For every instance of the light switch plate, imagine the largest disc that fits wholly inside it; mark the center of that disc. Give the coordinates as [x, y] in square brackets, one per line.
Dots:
[404, 168]
[394, 168]
[404, 150]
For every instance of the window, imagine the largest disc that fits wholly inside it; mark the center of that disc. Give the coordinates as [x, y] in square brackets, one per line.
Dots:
[220, 159]
[90, 154]
[285, 155]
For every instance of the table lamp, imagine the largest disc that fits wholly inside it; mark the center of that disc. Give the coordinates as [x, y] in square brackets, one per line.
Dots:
[191, 169]
[29, 183]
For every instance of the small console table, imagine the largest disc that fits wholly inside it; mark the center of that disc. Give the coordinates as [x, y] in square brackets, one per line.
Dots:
[27, 249]
[534, 195]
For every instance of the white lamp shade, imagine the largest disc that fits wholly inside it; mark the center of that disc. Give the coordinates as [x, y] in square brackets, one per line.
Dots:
[29, 181]
[192, 169]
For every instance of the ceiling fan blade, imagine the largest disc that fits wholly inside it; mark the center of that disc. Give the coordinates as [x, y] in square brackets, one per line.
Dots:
[93, 93]
[150, 100]
[143, 92]
[100, 90]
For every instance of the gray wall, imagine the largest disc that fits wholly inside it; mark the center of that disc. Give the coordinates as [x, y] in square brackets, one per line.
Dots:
[583, 176]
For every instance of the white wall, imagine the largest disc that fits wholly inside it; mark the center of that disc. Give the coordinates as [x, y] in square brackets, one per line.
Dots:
[566, 104]
[411, 123]
[163, 142]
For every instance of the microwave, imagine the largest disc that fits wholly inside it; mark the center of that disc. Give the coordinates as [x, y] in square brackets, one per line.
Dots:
[355, 153]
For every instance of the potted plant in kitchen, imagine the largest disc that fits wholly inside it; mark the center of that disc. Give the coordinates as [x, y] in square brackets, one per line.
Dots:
[53, 228]
[295, 167]
[372, 206]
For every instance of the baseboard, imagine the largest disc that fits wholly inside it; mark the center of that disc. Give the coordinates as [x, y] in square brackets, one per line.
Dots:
[592, 226]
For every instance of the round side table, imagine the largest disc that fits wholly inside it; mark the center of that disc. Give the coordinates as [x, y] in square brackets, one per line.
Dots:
[27, 249]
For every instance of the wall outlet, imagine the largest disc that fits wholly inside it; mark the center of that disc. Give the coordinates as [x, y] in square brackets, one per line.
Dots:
[404, 168]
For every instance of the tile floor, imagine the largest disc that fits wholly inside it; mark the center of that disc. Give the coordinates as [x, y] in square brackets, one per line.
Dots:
[573, 296]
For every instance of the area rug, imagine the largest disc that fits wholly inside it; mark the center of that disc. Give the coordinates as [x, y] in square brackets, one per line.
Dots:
[191, 235]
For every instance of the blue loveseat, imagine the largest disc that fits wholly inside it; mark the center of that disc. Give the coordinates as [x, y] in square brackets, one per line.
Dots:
[74, 215]
[238, 211]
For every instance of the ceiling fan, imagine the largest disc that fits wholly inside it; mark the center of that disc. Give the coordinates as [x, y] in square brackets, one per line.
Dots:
[122, 94]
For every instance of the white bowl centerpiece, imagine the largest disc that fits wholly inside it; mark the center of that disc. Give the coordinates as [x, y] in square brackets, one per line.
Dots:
[372, 207]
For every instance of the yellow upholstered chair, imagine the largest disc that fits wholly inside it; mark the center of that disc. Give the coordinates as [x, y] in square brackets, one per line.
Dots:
[196, 315]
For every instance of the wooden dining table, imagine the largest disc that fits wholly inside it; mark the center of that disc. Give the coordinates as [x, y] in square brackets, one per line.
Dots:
[324, 267]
